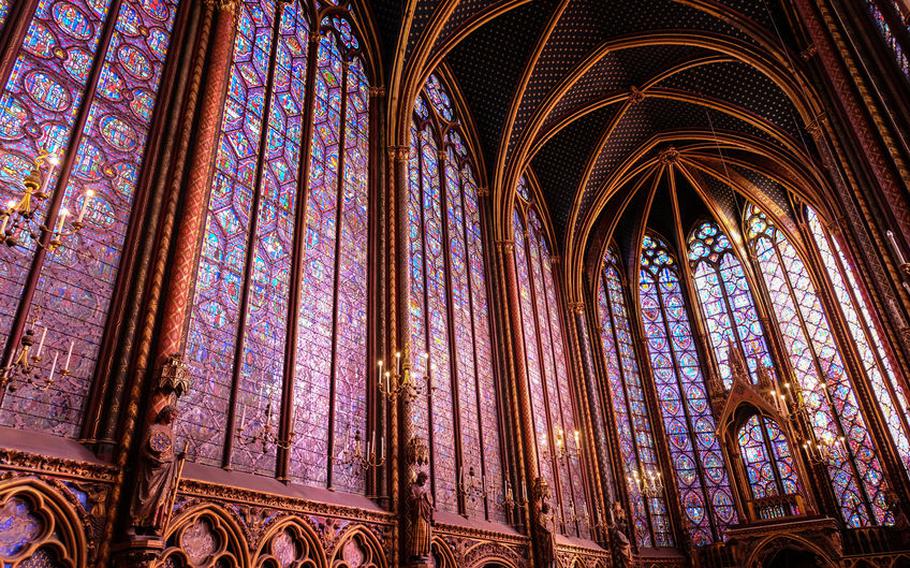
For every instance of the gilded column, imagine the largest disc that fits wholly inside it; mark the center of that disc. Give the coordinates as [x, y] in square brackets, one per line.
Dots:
[195, 198]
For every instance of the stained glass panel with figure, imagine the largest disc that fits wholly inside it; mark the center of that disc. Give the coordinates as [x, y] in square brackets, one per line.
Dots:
[700, 471]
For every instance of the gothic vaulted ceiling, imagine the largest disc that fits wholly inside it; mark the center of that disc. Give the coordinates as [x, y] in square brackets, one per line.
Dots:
[590, 95]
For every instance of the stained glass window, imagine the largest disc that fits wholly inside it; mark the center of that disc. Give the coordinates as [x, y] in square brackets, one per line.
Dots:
[630, 408]
[767, 458]
[243, 304]
[726, 301]
[832, 406]
[98, 124]
[867, 337]
[5, 6]
[881, 21]
[449, 314]
[700, 472]
[559, 458]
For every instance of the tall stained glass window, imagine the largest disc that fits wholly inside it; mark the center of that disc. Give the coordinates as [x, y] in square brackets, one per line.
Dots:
[449, 313]
[700, 471]
[880, 10]
[867, 337]
[855, 470]
[98, 124]
[243, 313]
[726, 301]
[630, 408]
[559, 458]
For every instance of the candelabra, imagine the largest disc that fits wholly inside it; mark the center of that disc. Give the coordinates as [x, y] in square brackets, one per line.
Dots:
[364, 457]
[264, 435]
[470, 487]
[24, 366]
[508, 500]
[19, 220]
[788, 401]
[562, 450]
[394, 382]
[650, 483]
[828, 450]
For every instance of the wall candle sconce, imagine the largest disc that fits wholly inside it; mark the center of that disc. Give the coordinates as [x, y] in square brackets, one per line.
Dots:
[25, 364]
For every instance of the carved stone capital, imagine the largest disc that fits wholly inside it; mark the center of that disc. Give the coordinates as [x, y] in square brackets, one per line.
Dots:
[577, 307]
[400, 153]
[483, 192]
[506, 246]
[377, 91]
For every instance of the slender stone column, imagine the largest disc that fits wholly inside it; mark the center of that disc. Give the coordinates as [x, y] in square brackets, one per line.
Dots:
[189, 230]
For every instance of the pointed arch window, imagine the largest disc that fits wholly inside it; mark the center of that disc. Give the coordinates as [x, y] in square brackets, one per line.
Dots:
[700, 471]
[726, 302]
[630, 408]
[855, 470]
[770, 469]
[449, 313]
[83, 85]
[271, 191]
[890, 18]
[866, 335]
[551, 393]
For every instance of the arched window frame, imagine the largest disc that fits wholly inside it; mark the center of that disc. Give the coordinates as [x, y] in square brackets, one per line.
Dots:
[639, 452]
[872, 506]
[442, 166]
[563, 469]
[306, 34]
[713, 526]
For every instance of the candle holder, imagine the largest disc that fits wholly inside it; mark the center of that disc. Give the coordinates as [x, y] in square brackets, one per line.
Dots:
[508, 499]
[650, 483]
[24, 367]
[828, 450]
[562, 450]
[364, 457]
[394, 382]
[19, 220]
[265, 434]
[470, 486]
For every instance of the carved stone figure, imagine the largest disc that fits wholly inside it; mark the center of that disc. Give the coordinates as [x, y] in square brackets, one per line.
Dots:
[157, 476]
[420, 519]
[622, 548]
[544, 520]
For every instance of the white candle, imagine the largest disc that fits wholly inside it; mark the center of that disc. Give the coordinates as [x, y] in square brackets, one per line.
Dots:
[53, 368]
[69, 355]
[398, 362]
[41, 343]
[85, 202]
[897, 249]
[381, 444]
[61, 219]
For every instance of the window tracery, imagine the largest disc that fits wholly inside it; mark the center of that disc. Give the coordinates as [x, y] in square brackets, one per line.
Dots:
[98, 123]
[449, 313]
[631, 416]
[558, 451]
[701, 475]
[243, 313]
[815, 358]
